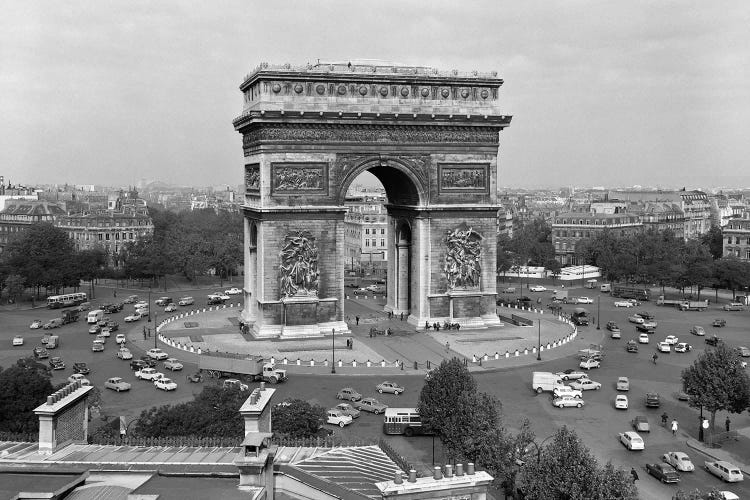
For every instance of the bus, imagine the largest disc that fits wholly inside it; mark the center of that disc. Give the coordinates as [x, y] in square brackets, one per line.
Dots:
[631, 292]
[67, 300]
[404, 421]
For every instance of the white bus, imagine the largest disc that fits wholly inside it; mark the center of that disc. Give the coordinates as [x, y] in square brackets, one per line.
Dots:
[94, 316]
[405, 421]
[67, 300]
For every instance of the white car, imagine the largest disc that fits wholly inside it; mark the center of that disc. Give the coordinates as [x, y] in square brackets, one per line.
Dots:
[220, 295]
[148, 374]
[585, 300]
[120, 338]
[124, 353]
[632, 440]
[133, 317]
[157, 354]
[566, 391]
[186, 301]
[140, 305]
[537, 288]
[671, 340]
[233, 291]
[173, 364]
[17, 340]
[638, 320]
[621, 402]
[588, 364]
[682, 347]
[664, 347]
[623, 303]
[571, 375]
[586, 385]
[171, 307]
[567, 402]
[679, 461]
[105, 332]
[36, 324]
[643, 338]
[337, 417]
[76, 377]
[649, 323]
[724, 470]
[165, 384]
[698, 330]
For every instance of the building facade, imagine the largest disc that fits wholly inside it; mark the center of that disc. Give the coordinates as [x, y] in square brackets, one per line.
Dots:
[571, 227]
[737, 238]
[19, 215]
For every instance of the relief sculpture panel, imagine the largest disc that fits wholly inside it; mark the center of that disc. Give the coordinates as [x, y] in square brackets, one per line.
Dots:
[298, 270]
[307, 178]
[464, 178]
[462, 259]
[252, 177]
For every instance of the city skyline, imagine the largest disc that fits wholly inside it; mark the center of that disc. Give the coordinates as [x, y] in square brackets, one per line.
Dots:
[615, 95]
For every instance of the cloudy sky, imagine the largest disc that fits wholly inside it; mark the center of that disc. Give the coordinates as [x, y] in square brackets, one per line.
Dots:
[602, 93]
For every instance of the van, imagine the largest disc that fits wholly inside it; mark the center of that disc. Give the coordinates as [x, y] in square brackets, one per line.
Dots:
[545, 381]
[186, 301]
[95, 316]
[606, 288]
[53, 342]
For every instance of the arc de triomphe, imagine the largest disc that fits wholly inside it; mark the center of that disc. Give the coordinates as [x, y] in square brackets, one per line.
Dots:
[430, 137]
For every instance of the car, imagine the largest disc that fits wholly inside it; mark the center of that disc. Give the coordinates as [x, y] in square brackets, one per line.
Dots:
[171, 307]
[612, 326]
[621, 402]
[650, 324]
[143, 311]
[645, 329]
[57, 363]
[566, 391]
[131, 299]
[671, 339]
[372, 405]
[623, 303]
[631, 346]
[85, 306]
[571, 374]
[640, 424]
[683, 347]
[116, 384]
[336, 417]
[724, 470]
[742, 351]
[112, 326]
[150, 362]
[17, 340]
[233, 291]
[36, 324]
[734, 306]
[390, 387]
[643, 338]
[78, 377]
[221, 295]
[186, 301]
[623, 384]
[567, 402]
[233, 383]
[361, 291]
[616, 335]
[124, 353]
[664, 347]
[105, 332]
[133, 317]
[537, 288]
[349, 394]
[590, 363]
[195, 377]
[631, 440]
[719, 323]
[148, 374]
[636, 319]
[120, 338]
[645, 315]
[138, 364]
[102, 338]
[722, 495]
[698, 330]
[663, 472]
[141, 304]
[214, 301]
[81, 367]
[157, 354]
[163, 301]
[714, 340]
[173, 364]
[653, 400]
[103, 322]
[682, 396]
[97, 346]
[165, 384]
[348, 409]
[586, 385]
[679, 461]
[40, 352]
[585, 300]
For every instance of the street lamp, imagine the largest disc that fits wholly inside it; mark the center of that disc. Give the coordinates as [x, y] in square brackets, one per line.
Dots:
[703, 426]
[149, 304]
[156, 327]
[539, 342]
[598, 312]
[333, 350]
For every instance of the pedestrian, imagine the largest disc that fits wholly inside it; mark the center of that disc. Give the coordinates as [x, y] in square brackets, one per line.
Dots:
[634, 473]
[655, 357]
[447, 347]
[114, 293]
[674, 427]
[356, 318]
[402, 316]
[727, 422]
[426, 325]
[664, 419]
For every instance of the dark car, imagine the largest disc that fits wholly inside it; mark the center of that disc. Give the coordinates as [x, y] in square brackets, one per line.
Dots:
[113, 326]
[150, 362]
[652, 400]
[57, 363]
[631, 346]
[81, 368]
[138, 364]
[214, 300]
[645, 315]
[40, 353]
[112, 308]
[714, 341]
[645, 329]
[719, 322]
[663, 472]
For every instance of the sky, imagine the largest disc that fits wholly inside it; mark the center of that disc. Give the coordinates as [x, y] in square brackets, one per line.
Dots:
[602, 93]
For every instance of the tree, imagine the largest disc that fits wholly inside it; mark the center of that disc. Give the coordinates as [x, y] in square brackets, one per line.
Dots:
[14, 287]
[714, 241]
[25, 385]
[567, 470]
[297, 418]
[732, 273]
[698, 265]
[716, 381]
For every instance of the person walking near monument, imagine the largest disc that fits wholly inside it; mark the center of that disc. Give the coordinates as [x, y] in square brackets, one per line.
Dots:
[634, 473]
[447, 346]
[357, 319]
[674, 427]
[727, 422]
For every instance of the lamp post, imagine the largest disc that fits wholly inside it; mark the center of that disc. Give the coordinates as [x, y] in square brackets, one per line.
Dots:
[703, 425]
[156, 327]
[149, 304]
[333, 350]
[539, 341]
[598, 312]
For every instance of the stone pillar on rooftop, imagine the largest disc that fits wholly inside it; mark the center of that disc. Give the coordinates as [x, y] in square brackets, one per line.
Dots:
[64, 418]
[255, 460]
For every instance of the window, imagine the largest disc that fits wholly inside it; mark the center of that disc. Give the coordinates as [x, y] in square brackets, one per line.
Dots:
[382, 231]
[367, 231]
[367, 243]
[382, 242]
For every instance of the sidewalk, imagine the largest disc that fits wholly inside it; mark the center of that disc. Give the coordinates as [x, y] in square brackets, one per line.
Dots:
[736, 452]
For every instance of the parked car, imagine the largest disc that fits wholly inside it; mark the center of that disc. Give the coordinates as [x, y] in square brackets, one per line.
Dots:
[336, 417]
[643, 338]
[148, 374]
[734, 306]
[78, 377]
[679, 461]
[567, 402]
[390, 387]
[124, 353]
[571, 374]
[671, 339]
[683, 347]
[719, 323]
[349, 394]
[585, 384]
[590, 363]
[165, 384]
[348, 409]
[640, 424]
[621, 402]
[233, 291]
[631, 440]
[173, 364]
[36, 324]
[537, 288]
[623, 303]
[116, 384]
[372, 405]
[566, 391]
[653, 400]
[623, 384]
[636, 319]
[57, 363]
[664, 347]
[81, 367]
[156, 353]
[17, 340]
[698, 330]
[724, 470]
[663, 472]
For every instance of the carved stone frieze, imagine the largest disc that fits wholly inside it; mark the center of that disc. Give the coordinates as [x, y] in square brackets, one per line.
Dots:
[463, 178]
[298, 268]
[462, 259]
[289, 178]
[252, 177]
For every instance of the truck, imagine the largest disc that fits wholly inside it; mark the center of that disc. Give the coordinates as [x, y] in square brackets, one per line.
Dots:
[631, 292]
[663, 301]
[693, 305]
[69, 316]
[545, 381]
[243, 367]
[560, 296]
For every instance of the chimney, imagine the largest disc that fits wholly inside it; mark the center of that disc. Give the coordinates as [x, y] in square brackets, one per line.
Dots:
[397, 479]
[412, 476]
[262, 386]
[470, 469]
[436, 473]
[68, 405]
[459, 470]
[448, 471]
